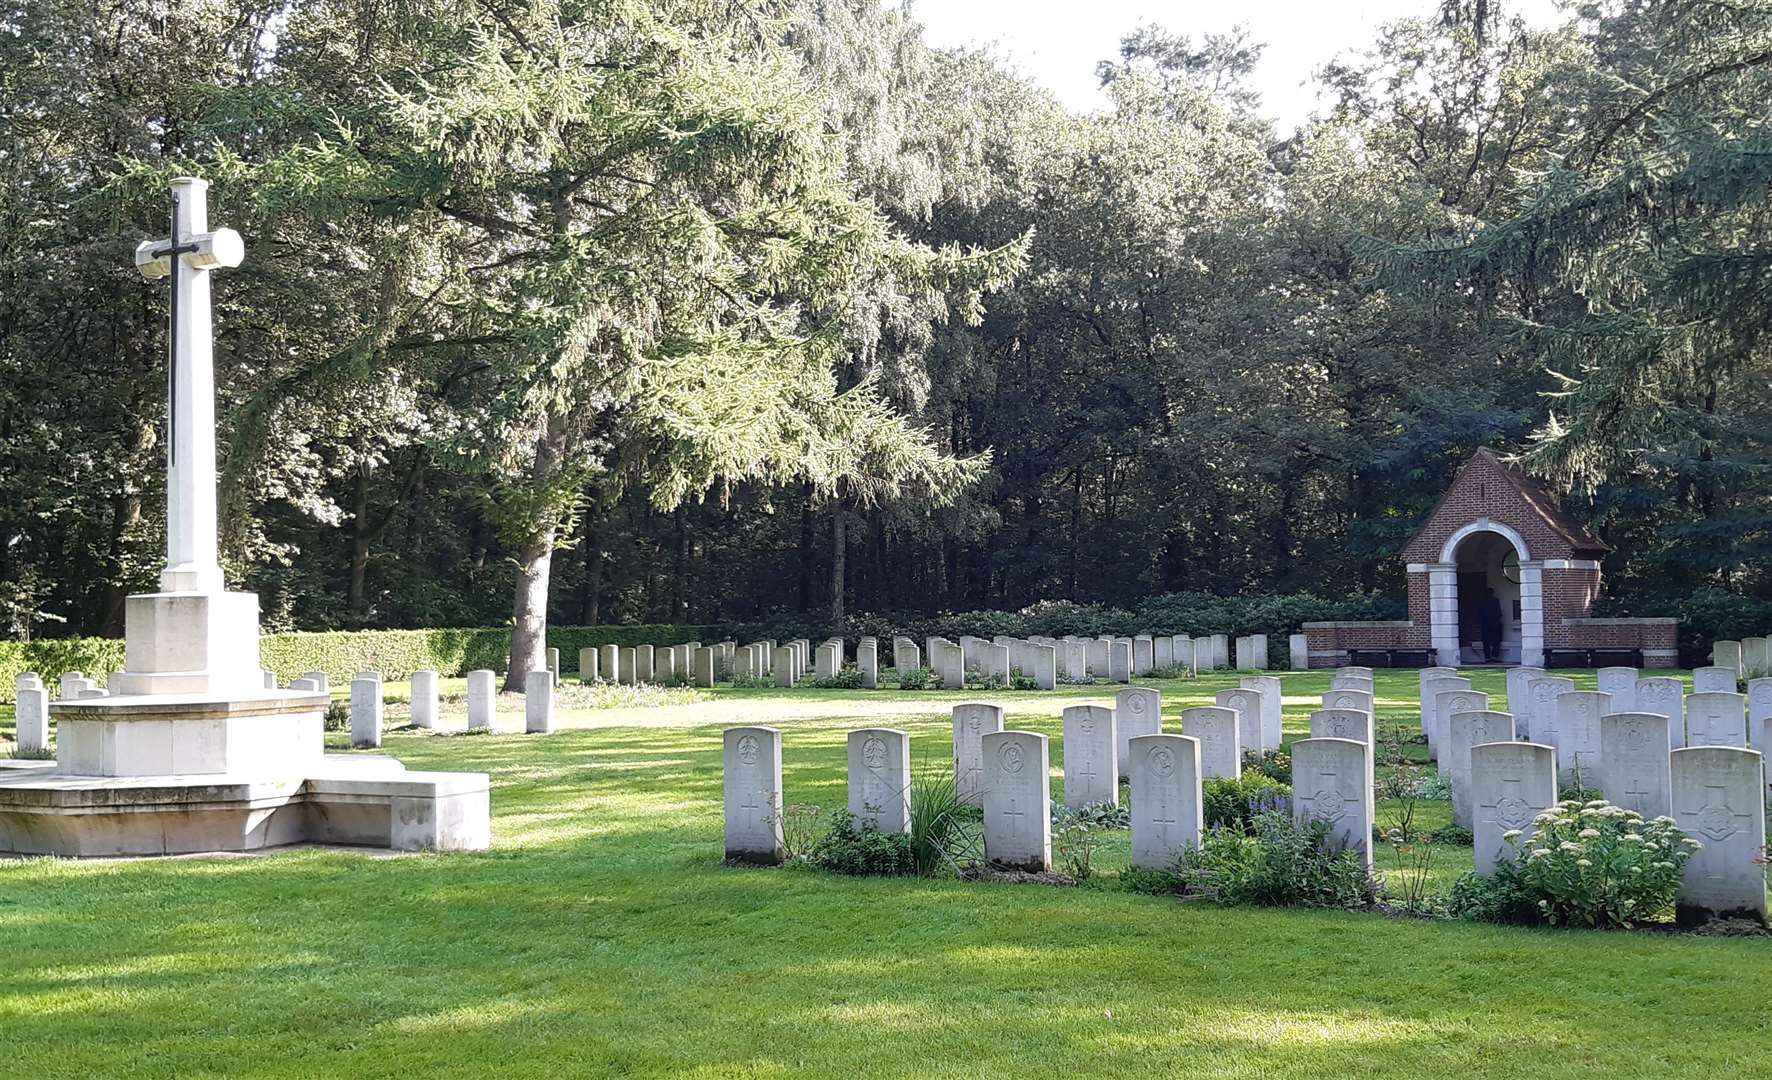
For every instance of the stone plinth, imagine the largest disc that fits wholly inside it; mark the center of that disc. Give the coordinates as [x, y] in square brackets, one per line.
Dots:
[265, 733]
[190, 643]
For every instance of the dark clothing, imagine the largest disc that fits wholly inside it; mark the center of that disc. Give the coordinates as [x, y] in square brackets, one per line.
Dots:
[1490, 614]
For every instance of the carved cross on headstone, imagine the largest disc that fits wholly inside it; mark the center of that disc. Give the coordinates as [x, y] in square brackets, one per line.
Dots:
[187, 256]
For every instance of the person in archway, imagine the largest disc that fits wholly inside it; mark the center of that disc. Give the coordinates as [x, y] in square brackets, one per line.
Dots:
[1491, 618]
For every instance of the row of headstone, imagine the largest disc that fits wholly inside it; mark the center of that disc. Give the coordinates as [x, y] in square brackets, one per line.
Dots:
[1009, 773]
[1715, 794]
[1749, 658]
[31, 714]
[628, 665]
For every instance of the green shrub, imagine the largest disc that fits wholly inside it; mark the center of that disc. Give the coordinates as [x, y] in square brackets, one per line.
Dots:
[1237, 801]
[1168, 671]
[1150, 882]
[844, 849]
[1076, 840]
[1018, 681]
[338, 716]
[920, 678]
[1499, 898]
[743, 682]
[847, 679]
[1273, 764]
[1599, 865]
[1275, 863]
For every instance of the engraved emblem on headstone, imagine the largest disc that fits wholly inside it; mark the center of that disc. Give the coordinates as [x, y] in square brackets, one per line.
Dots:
[1010, 756]
[748, 749]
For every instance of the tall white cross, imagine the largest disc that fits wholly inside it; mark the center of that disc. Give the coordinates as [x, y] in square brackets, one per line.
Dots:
[187, 256]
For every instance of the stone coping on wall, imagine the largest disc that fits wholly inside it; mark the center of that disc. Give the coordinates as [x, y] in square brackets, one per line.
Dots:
[1649, 621]
[189, 706]
[1358, 625]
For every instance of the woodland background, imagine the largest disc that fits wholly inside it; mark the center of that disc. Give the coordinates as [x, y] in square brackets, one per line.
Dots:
[721, 312]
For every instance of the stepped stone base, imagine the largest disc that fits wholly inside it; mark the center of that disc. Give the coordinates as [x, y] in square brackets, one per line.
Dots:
[368, 801]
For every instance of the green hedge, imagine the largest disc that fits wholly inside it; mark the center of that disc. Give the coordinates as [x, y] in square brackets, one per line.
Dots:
[343, 653]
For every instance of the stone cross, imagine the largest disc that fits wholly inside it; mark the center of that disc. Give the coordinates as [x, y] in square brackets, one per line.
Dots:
[187, 256]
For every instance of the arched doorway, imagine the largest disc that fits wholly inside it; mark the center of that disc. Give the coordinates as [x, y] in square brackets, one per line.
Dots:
[1482, 556]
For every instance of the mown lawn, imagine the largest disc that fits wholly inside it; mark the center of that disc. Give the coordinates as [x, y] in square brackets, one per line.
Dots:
[601, 937]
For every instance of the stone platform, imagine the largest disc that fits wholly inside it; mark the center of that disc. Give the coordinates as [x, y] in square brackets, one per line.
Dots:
[349, 799]
[176, 774]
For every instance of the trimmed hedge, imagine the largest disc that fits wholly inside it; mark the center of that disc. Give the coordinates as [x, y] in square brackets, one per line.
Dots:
[343, 653]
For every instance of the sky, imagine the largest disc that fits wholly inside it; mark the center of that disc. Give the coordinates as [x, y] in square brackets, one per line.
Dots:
[1057, 44]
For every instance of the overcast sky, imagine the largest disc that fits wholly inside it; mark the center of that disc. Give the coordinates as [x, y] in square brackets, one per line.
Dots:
[1058, 44]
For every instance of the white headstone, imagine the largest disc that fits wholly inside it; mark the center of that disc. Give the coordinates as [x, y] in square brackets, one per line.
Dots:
[949, 661]
[1578, 737]
[1270, 689]
[752, 761]
[1202, 654]
[1711, 680]
[867, 661]
[627, 669]
[31, 714]
[827, 661]
[587, 665]
[1143, 654]
[1447, 702]
[366, 712]
[1720, 801]
[905, 656]
[1138, 711]
[1756, 657]
[702, 673]
[1218, 731]
[1759, 714]
[1621, 684]
[973, 720]
[1726, 654]
[1162, 651]
[1073, 660]
[538, 703]
[1544, 693]
[1634, 751]
[1184, 652]
[1332, 782]
[784, 665]
[1221, 651]
[610, 663]
[1343, 724]
[424, 699]
[482, 700]
[880, 779]
[1120, 661]
[1431, 689]
[1667, 696]
[1349, 699]
[71, 684]
[1167, 810]
[553, 656]
[1247, 703]
[1343, 681]
[643, 663]
[1091, 757]
[1043, 666]
[1519, 697]
[1258, 652]
[270, 678]
[1716, 718]
[1299, 650]
[1511, 784]
[1464, 730]
[1017, 801]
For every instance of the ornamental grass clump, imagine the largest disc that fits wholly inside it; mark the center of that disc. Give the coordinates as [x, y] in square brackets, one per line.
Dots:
[1599, 865]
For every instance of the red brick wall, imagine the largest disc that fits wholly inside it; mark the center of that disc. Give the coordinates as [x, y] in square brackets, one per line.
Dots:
[1568, 594]
[1658, 638]
[1328, 643]
[1483, 489]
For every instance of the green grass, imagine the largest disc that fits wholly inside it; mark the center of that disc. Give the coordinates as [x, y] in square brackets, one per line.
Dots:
[601, 937]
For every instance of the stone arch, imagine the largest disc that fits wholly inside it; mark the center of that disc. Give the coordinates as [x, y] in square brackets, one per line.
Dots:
[1522, 638]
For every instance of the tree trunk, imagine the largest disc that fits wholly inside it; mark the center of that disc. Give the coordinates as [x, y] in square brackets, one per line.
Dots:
[360, 545]
[535, 560]
[805, 567]
[839, 559]
[590, 586]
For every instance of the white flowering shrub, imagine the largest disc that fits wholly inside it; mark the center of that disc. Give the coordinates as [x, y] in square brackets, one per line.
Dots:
[1595, 864]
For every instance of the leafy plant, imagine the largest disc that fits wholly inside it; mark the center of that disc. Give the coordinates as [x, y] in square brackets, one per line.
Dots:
[1238, 801]
[1273, 764]
[1275, 863]
[338, 716]
[752, 682]
[1019, 681]
[1168, 671]
[1077, 838]
[1103, 815]
[918, 678]
[1413, 859]
[1599, 865]
[799, 829]
[845, 849]
[846, 679]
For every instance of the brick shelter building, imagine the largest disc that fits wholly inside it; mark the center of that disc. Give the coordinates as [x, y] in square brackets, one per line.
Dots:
[1497, 528]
